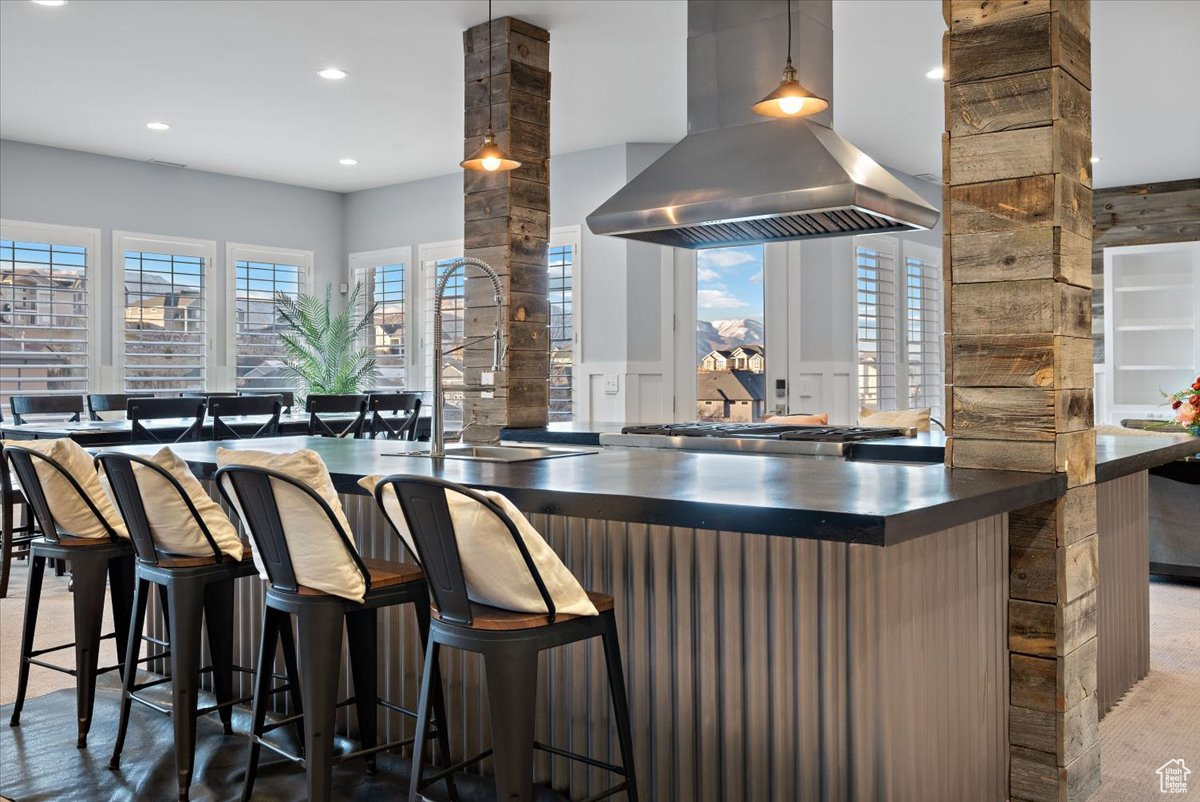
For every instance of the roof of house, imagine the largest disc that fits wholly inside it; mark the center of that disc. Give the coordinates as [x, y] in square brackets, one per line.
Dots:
[750, 349]
[733, 385]
[719, 352]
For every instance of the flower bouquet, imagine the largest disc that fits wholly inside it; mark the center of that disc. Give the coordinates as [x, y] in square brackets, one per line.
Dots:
[1186, 404]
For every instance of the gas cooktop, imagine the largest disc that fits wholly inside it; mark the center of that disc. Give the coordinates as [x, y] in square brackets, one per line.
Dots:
[750, 438]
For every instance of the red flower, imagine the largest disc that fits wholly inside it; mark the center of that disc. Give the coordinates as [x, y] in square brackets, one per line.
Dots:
[1196, 401]
[1177, 405]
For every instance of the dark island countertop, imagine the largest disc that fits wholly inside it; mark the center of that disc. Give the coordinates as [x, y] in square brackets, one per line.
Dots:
[1116, 455]
[823, 499]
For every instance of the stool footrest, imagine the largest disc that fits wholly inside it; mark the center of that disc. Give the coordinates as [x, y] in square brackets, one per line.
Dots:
[279, 750]
[600, 764]
[71, 645]
[428, 780]
[621, 786]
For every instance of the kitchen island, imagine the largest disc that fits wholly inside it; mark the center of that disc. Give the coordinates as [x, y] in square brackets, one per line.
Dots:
[792, 628]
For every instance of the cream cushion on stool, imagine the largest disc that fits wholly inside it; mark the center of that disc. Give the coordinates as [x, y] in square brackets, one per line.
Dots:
[171, 522]
[902, 418]
[492, 565]
[69, 514]
[319, 559]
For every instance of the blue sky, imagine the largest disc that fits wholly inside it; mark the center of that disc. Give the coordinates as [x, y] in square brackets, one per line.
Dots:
[729, 283]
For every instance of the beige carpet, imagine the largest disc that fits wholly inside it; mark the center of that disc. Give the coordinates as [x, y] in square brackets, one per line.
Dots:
[55, 628]
[1159, 720]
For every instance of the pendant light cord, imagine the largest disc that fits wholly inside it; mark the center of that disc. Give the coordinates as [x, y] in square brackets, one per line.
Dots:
[489, 57]
[789, 15]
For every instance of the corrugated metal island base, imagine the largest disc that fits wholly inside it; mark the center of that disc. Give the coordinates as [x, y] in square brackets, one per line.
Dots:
[759, 667]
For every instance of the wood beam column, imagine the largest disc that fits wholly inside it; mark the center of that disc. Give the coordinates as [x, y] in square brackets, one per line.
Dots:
[1017, 256]
[507, 224]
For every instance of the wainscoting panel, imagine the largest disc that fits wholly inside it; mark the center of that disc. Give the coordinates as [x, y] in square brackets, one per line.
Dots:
[1123, 594]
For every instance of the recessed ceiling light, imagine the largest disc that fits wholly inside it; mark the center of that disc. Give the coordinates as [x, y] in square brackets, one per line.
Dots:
[348, 162]
[936, 74]
[157, 126]
[1095, 159]
[50, 2]
[332, 74]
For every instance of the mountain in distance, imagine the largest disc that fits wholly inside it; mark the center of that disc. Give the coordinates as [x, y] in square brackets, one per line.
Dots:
[726, 334]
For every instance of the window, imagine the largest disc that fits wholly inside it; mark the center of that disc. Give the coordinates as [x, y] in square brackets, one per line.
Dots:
[562, 331]
[383, 280]
[165, 313]
[45, 324]
[259, 275]
[900, 362]
[876, 328]
[435, 261]
[730, 342]
[923, 334]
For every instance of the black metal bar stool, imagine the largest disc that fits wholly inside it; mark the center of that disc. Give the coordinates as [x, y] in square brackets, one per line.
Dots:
[508, 641]
[394, 416]
[93, 561]
[195, 589]
[319, 621]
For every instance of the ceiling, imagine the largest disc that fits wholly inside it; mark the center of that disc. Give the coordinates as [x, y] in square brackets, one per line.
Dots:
[237, 82]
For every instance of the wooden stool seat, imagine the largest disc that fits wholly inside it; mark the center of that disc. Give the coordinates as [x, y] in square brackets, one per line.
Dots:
[485, 617]
[200, 562]
[384, 574]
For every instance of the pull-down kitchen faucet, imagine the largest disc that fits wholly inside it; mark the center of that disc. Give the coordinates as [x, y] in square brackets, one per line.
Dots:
[437, 437]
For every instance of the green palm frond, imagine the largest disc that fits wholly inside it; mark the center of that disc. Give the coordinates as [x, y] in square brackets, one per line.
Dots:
[319, 344]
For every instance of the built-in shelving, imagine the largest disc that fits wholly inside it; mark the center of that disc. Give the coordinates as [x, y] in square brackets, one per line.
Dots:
[1152, 326]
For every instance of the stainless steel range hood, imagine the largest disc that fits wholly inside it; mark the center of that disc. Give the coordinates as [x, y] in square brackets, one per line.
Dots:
[747, 179]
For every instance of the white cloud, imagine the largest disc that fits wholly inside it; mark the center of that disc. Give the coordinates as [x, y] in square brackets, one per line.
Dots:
[718, 299]
[705, 274]
[756, 278]
[725, 258]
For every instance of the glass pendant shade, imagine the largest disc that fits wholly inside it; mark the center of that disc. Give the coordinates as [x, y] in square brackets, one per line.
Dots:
[490, 158]
[790, 99]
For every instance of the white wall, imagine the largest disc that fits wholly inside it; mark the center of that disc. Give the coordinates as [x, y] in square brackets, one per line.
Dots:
[50, 185]
[628, 292]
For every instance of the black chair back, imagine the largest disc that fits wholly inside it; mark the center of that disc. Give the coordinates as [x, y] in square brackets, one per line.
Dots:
[427, 513]
[119, 470]
[397, 427]
[144, 409]
[23, 465]
[286, 397]
[318, 405]
[109, 402]
[251, 491]
[22, 405]
[228, 407]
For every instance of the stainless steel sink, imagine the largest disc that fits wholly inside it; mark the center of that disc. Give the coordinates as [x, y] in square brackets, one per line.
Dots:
[513, 453]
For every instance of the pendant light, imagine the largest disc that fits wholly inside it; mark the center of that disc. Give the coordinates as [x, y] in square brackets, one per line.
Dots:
[490, 158]
[791, 98]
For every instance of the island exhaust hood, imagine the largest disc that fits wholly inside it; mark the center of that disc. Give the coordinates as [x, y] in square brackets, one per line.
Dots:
[737, 178]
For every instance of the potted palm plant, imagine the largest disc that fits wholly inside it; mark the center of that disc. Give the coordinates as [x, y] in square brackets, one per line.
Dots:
[321, 348]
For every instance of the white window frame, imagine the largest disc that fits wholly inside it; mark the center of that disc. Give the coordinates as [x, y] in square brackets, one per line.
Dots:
[572, 237]
[900, 250]
[79, 237]
[412, 287]
[933, 258]
[241, 252]
[422, 294]
[123, 241]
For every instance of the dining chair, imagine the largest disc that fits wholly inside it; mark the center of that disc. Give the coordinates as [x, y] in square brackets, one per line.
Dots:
[98, 403]
[394, 415]
[221, 407]
[329, 405]
[22, 405]
[286, 397]
[145, 409]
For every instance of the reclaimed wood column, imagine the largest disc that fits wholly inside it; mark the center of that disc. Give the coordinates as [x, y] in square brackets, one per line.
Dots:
[507, 225]
[1018, 223]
